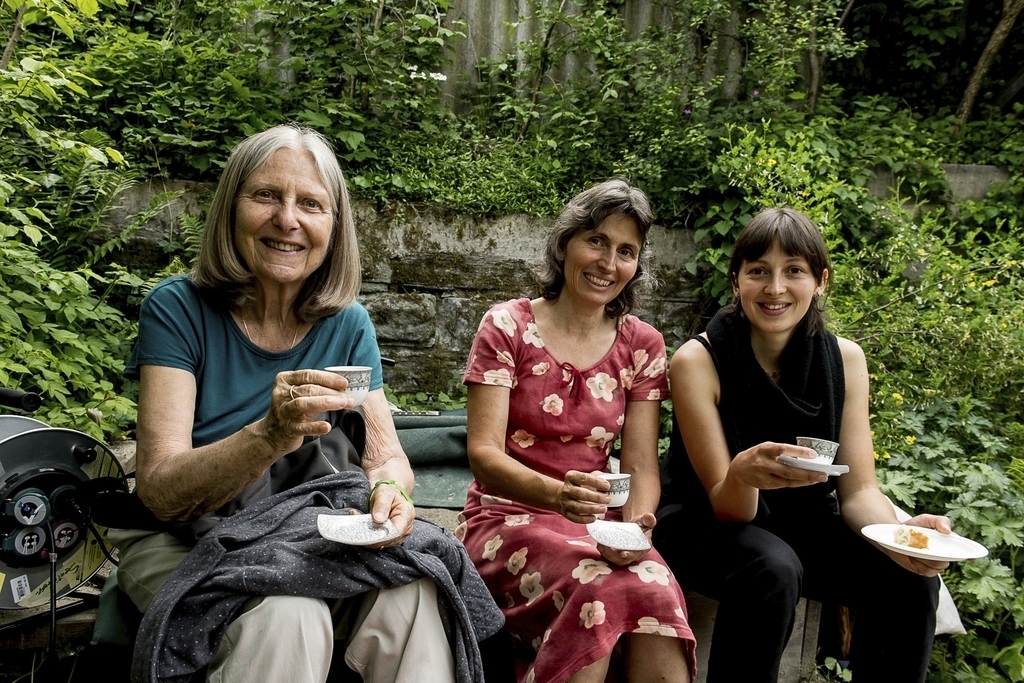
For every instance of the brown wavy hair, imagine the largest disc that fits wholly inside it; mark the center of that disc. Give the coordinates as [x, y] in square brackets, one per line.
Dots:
[586, 211]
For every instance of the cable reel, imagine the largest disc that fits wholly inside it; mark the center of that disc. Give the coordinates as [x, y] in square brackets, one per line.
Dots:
[49, 480]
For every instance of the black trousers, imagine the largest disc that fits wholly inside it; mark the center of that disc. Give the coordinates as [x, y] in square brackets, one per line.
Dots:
[758, 572]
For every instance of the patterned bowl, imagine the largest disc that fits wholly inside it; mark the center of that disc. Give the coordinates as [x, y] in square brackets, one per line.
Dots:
[825, 449]
[358, 377]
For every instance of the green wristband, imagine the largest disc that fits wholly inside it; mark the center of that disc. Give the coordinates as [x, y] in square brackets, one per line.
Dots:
[389, 482]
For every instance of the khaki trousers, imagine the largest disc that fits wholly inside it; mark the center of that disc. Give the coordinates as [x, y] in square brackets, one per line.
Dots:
[398, 636]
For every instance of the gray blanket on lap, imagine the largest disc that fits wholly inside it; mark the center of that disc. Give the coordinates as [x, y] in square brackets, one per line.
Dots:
[274, 548]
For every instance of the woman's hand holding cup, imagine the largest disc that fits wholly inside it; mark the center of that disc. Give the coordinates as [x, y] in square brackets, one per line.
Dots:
[583, 497]
[297, 399]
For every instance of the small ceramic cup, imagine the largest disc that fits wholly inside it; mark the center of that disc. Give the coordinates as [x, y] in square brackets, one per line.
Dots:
[358, 377]
[825, 449]
[619, 490]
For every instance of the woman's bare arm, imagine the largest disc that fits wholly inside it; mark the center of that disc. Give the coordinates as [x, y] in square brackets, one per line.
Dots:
[487, 409]
[179, 482]
[861, 501]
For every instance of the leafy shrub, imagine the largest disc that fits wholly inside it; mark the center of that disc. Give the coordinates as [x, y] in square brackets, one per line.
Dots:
[939, 310]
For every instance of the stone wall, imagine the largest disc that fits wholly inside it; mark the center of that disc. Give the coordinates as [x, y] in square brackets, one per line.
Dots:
[429, 274]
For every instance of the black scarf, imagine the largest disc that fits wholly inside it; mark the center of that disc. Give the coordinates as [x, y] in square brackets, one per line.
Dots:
[807, 401]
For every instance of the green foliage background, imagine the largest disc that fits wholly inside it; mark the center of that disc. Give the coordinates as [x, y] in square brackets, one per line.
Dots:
[102, 93]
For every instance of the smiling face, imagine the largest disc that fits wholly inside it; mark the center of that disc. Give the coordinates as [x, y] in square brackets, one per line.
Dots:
[776, 290]
[600, 262]
[284, 220]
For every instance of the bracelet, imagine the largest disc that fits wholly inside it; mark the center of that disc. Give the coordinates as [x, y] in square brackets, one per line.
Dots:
[389, 482]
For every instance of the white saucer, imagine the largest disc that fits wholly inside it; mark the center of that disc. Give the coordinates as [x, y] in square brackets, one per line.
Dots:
[355, 529]
[941, 547]
[814, 465]
[619, 535]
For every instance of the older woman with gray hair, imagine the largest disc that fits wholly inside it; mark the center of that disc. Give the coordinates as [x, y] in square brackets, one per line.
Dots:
[553, 383]
[236, 410]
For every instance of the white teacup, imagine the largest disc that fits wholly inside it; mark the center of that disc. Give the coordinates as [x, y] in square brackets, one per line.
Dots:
[358, 377]
[825, 449]
[619, 491]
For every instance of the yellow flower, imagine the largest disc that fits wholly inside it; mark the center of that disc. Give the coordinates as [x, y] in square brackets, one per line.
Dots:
[910, 438]
[897, 397]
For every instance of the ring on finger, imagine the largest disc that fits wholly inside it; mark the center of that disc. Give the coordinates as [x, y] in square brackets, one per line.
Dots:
[291, 391]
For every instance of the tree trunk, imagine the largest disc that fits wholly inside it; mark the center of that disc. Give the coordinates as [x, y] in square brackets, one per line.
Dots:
[814, 62]
[1011, 8]
[15, 37]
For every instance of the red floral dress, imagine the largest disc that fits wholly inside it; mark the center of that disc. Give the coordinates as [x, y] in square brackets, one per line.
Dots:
[559, 595]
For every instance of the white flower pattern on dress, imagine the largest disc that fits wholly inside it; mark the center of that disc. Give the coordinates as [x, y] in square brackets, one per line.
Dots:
[460, 531]
[503, 321]
[592, 614]
[517, 561]
[530, 335]
[541, 368]
[639, 359]
[491, 547]
[680, 613]
[576, 541]
[602, 385]
[649, 571]
[488, 499]
[500, 377]
[654, 395]
[599, 436]
[566, 439]
[589, 569]
[523, 438]
[558, 599]
[518, 520]
[621, 420]
[552, 403]
[510, 600]
[626, 378]
[529, 586]
[656, 368]
[504, 357]
[653, 626]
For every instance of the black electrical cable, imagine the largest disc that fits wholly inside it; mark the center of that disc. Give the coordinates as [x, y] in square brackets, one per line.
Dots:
[103, 545]
[53, 592]
[88, 524]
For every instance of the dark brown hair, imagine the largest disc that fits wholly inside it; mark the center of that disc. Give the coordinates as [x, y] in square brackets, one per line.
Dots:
[795, 235]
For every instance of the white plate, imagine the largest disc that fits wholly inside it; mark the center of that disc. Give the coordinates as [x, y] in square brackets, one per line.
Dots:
[942, 548]
[355, 529]
[814, 465]
[619, 535]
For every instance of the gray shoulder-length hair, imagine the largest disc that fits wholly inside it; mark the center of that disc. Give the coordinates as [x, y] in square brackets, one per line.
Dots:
[586, 211]
[219, 266]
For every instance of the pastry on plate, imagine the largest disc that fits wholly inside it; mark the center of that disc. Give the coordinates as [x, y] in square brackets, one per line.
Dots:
[910, 537]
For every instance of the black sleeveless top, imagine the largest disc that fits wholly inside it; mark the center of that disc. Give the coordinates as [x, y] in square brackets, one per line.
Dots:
[808, 401]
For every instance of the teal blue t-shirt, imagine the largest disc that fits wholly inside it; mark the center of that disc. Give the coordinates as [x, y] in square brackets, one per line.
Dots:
[180, 327]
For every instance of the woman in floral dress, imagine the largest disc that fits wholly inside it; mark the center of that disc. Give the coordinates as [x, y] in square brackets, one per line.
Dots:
[552, 383]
